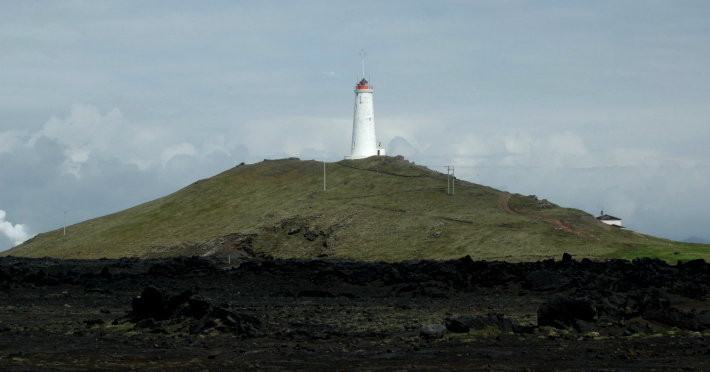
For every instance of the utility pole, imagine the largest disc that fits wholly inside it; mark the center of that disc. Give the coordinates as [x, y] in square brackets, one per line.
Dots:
[323, 175]
[65, 222]
[450, 180]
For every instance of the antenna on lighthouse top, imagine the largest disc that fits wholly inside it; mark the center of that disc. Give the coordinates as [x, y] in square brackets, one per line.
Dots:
[362, 57]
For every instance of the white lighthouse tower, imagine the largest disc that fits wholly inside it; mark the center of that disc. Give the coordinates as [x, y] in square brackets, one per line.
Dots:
[364, 141]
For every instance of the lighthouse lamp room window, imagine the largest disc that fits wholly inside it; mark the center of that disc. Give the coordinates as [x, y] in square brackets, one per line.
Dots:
[364, 143]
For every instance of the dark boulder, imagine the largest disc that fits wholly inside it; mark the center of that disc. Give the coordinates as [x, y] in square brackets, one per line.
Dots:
[150, 304]
[177, 302]
[198, 306]
[106, 275]
[501, 322]
[614, 307]
[430, 331]
[240, 324]
[461, 324]
[151, 310]
[566, 257]
[465, 323]
[562, 312]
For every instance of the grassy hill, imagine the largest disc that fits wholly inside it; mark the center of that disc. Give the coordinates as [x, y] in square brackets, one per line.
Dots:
[373, 209]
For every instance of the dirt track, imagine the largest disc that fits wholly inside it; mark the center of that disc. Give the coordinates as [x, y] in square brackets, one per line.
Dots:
[306, 315]
[503, 204]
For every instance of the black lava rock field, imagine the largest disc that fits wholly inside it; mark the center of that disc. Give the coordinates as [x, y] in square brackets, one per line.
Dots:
[193, 313]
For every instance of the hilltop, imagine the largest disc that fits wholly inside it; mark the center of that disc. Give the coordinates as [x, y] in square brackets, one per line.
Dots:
[380, 208]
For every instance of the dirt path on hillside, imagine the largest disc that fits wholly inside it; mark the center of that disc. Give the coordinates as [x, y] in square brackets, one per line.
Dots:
[504, 205]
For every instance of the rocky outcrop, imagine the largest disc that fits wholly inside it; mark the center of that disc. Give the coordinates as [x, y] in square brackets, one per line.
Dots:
[152, 309]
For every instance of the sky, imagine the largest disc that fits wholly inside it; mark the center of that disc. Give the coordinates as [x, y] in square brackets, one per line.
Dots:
[590, 104]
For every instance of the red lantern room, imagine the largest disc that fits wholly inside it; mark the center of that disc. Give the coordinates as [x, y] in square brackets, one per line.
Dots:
[363, 84]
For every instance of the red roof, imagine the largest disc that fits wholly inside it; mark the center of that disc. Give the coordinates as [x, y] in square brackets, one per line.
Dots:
[363, 84]
[607, 217]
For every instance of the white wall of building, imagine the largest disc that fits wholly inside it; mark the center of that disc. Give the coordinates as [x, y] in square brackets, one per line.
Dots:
[612, 222]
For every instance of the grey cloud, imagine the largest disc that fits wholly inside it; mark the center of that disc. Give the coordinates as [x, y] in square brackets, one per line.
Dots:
[400, 146]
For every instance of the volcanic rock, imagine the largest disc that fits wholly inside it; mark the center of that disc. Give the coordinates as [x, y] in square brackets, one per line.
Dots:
[432, 331]
[544, 280]
[465, 323]
[150, 308]
[561, 312]
[150, 304]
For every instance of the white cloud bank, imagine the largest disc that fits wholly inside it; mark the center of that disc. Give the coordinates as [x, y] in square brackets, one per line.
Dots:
[17, 233]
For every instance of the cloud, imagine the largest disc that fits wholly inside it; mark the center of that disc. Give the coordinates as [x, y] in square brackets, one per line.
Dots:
[300, 136]
[567, 144]
[400, 146]
[184, 148]
[10, 140]
[86, 131]
[88, 134]
[17, 233]
[518, 144]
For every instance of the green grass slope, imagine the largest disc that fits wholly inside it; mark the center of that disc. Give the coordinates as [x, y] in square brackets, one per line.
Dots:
[373, 209]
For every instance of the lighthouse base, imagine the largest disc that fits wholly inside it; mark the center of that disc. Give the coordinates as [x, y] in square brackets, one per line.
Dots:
[379, 152]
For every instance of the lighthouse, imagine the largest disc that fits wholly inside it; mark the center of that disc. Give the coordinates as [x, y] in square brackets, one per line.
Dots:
[364, 142]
